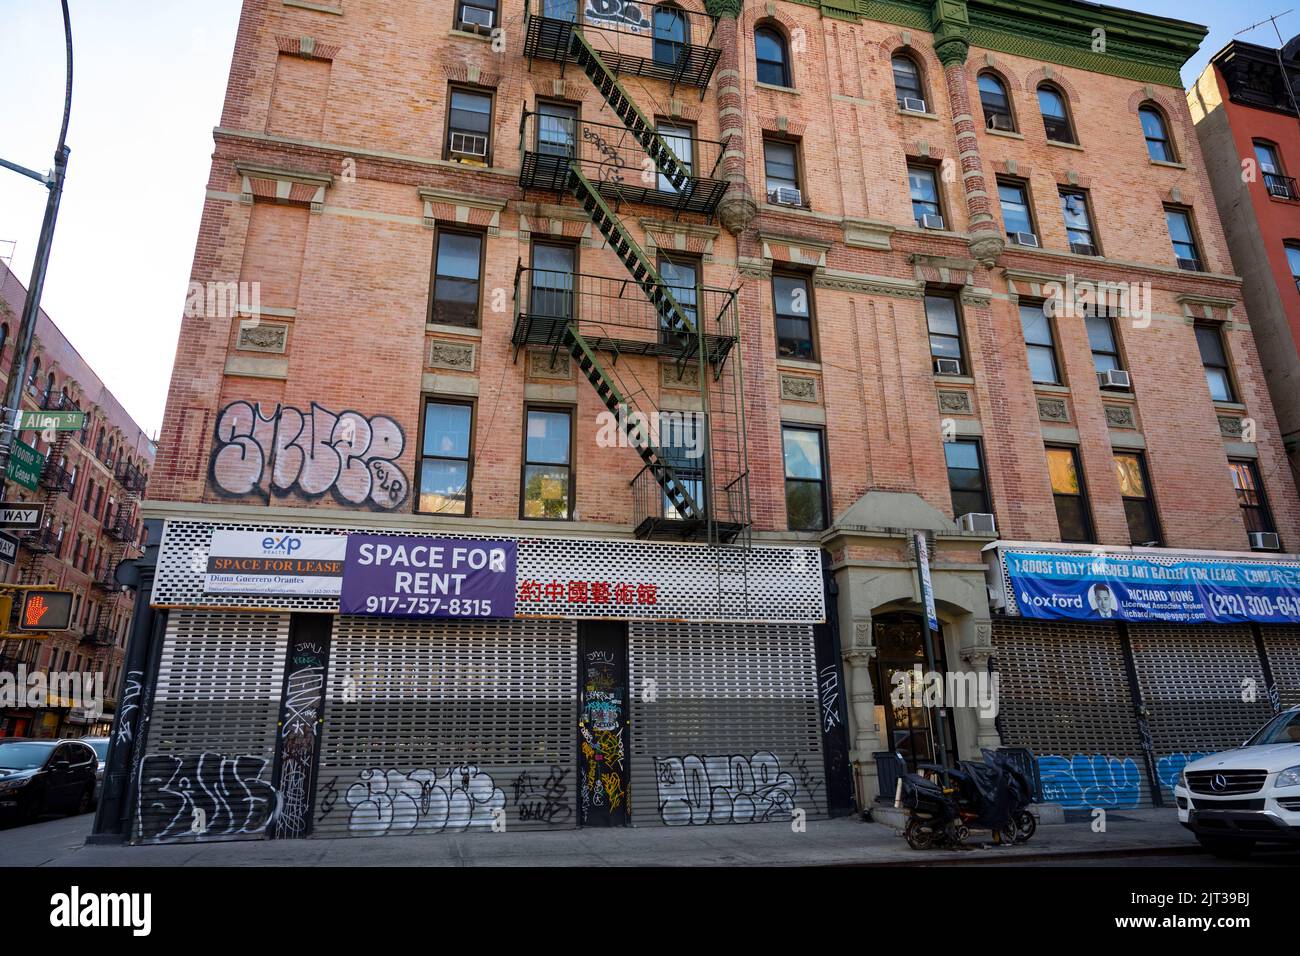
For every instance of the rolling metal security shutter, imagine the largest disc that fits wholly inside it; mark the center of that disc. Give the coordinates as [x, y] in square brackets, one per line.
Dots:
[1282, 645]
[1064, 694]
[433, 726]
[211, 739]
[724, 723]
[1192, 680]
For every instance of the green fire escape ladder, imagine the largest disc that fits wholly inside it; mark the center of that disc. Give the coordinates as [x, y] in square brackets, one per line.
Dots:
[620, 404]
[640, 125]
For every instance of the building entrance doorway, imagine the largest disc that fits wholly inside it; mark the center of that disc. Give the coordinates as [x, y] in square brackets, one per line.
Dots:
[913, 729]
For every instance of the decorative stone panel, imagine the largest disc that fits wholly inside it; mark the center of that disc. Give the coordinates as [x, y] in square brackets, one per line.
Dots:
[1120, 416]
[1230, 427]
[457, 356]
[955, 402]
[798, 388]
[689, 377]
[542, 364]
[263, 337]
[1053, 410]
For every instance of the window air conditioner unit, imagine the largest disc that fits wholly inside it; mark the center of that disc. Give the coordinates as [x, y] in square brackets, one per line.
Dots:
[997, 598]
[913, 104]
[1191, 265]
[1024, 239]
[469, 144]
[947, 366]
[1083, 248]
[977, 522]
[1001, 121]
[476, 18]
[785, 196]
[932, 222]
[1265, 541]
[1115, 378]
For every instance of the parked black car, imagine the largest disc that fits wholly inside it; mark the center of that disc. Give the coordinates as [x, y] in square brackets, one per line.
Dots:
[45, 776]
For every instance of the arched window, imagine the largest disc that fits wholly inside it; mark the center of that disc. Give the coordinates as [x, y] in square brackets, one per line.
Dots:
[1293, 260]
[907, 83]
[1056, 118]
[36, 371]
[49, 390]
[773, 57]
[1159, 146]
[996, 103]
[672, 33]
[99, 444]
[4, 336]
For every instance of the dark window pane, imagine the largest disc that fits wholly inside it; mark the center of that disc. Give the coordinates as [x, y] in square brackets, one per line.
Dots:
[1071, 517]
[1141, 526]
[1015, 208]
[907, 79]
[471, 112]
[1210, 342]
[458, 255]
[804, 507]
[771, 57]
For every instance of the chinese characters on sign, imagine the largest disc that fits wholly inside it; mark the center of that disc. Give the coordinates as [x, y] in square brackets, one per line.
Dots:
[587, 592]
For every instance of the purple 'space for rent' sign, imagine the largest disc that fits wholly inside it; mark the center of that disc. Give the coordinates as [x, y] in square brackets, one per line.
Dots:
[394, 576]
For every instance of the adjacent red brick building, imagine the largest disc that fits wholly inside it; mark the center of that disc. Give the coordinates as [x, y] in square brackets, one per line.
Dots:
[1244, 107]
[91, 487]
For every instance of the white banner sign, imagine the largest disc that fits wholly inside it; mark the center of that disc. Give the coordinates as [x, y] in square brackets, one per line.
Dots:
[280, 563]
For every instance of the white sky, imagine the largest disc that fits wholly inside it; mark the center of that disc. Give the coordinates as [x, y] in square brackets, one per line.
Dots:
[150, 79]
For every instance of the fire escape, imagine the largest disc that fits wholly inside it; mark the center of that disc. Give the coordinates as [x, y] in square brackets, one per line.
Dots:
[694, 485]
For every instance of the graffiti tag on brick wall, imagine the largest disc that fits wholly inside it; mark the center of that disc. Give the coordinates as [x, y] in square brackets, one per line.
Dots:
[385, 802]
[289, 451]
[205, 795]
[724, 789]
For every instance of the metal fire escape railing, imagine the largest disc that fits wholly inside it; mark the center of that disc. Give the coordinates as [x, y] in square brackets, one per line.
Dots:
[694, 484]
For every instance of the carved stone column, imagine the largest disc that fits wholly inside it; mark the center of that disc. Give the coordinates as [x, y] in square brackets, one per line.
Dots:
[862, 710]
[951, 43]
[737, 208]
[977, 655]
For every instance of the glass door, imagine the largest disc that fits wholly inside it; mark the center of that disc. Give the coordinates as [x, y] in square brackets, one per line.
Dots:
[901, 681]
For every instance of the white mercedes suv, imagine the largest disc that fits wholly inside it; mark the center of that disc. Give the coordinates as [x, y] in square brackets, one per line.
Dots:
[1235, 799]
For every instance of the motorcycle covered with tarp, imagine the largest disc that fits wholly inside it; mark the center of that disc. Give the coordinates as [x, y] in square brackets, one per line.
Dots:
[944, 804]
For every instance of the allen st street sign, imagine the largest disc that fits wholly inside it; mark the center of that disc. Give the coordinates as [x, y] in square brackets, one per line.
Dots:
[72, 421]
[18, 514]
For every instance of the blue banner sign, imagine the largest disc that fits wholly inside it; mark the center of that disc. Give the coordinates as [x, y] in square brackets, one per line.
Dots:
[1099, 587]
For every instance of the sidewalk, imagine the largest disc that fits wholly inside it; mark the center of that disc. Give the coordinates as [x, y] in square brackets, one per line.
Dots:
[846, 841]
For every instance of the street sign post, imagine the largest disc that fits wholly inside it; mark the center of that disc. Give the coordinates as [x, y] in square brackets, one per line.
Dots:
[8, 548]
[72, 421]
[26, 465]
[18, 514]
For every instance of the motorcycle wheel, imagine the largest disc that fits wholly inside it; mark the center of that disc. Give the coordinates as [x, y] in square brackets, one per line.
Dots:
[920, 835]
[957, 834]
[1026, 826]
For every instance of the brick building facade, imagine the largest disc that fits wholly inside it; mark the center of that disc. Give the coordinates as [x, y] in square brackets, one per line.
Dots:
[850, 235]
[1245, 115]
[91, 486]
